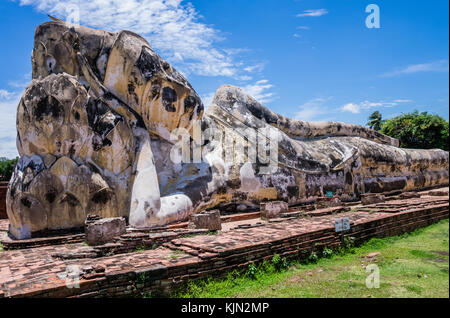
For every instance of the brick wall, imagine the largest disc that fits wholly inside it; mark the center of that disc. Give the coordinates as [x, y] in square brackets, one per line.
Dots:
[3, 188]
[161, 280]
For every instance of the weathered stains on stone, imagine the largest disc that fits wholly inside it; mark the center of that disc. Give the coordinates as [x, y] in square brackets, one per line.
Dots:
[169, 96]
[102, 121]
[156, 88]
[148, 64]
[51, 196]
[292, 191]
[190, 102]
[70, 199]
[260, 114]
[25, 202]
[102, 197]
[48, 106]
[348, 178]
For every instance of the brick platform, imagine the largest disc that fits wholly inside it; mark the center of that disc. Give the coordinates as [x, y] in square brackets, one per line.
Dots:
[39, 272]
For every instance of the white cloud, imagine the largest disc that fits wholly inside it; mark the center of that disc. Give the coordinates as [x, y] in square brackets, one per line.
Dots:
[22, 83]
[403, 101]
[259, 91]
[313, 13]
[4, 94]
[302, 27]
[352, 108]
[255, 68]
[355, 108]
[435, 66]
[312, 109]
[245, 78]
[207, 99]
[8, 110]
[172, 28]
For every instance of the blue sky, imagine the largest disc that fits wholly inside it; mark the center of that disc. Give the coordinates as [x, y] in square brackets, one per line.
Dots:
[306, 59]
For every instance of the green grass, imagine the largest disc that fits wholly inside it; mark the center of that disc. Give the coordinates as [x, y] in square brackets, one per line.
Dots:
[411, 265]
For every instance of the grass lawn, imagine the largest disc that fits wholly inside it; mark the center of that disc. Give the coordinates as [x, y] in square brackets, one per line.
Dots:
[410, 265]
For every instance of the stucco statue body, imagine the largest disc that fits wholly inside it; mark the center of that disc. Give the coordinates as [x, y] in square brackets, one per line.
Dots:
[95, 136]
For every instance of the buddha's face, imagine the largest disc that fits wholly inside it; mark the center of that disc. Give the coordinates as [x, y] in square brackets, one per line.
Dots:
[56, 46]
[55, 50]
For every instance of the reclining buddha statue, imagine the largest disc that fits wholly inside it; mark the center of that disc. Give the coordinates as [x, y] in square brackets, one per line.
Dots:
[107, 127]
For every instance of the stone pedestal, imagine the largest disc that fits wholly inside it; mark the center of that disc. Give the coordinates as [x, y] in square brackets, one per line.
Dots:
[372, 198]
[271, 210]
[101, 231]
[207, 220]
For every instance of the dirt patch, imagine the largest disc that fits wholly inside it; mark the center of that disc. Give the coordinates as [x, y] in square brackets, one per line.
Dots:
[443, 253]
[438, 260]
[296, 279]
[372, 255]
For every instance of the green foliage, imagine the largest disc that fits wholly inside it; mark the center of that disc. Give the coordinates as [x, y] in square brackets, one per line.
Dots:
[252, 270]
[349, 242]
[327, 252]
[313, 257]
[418, 130]
[6, 168]
[141, 278]
[280, 263]
[375, 121]
[411, 265]
[140, 249]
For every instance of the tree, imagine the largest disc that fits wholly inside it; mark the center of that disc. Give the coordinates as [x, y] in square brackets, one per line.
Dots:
[375, 121]
[418, 130]
[6, 168]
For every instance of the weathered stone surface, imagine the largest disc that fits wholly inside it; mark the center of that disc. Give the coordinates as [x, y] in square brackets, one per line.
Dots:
[98, 125]
[372, 199]
[206, 220]
[101, 231]
[313, 161]
[83, 150]
[270, 210]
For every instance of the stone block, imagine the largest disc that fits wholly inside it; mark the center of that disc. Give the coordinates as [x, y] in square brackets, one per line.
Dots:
[273, 209]
[409, 195]
[327, 202]
[372, 198]
[101, 231]
[207, 220]
[438, 193]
